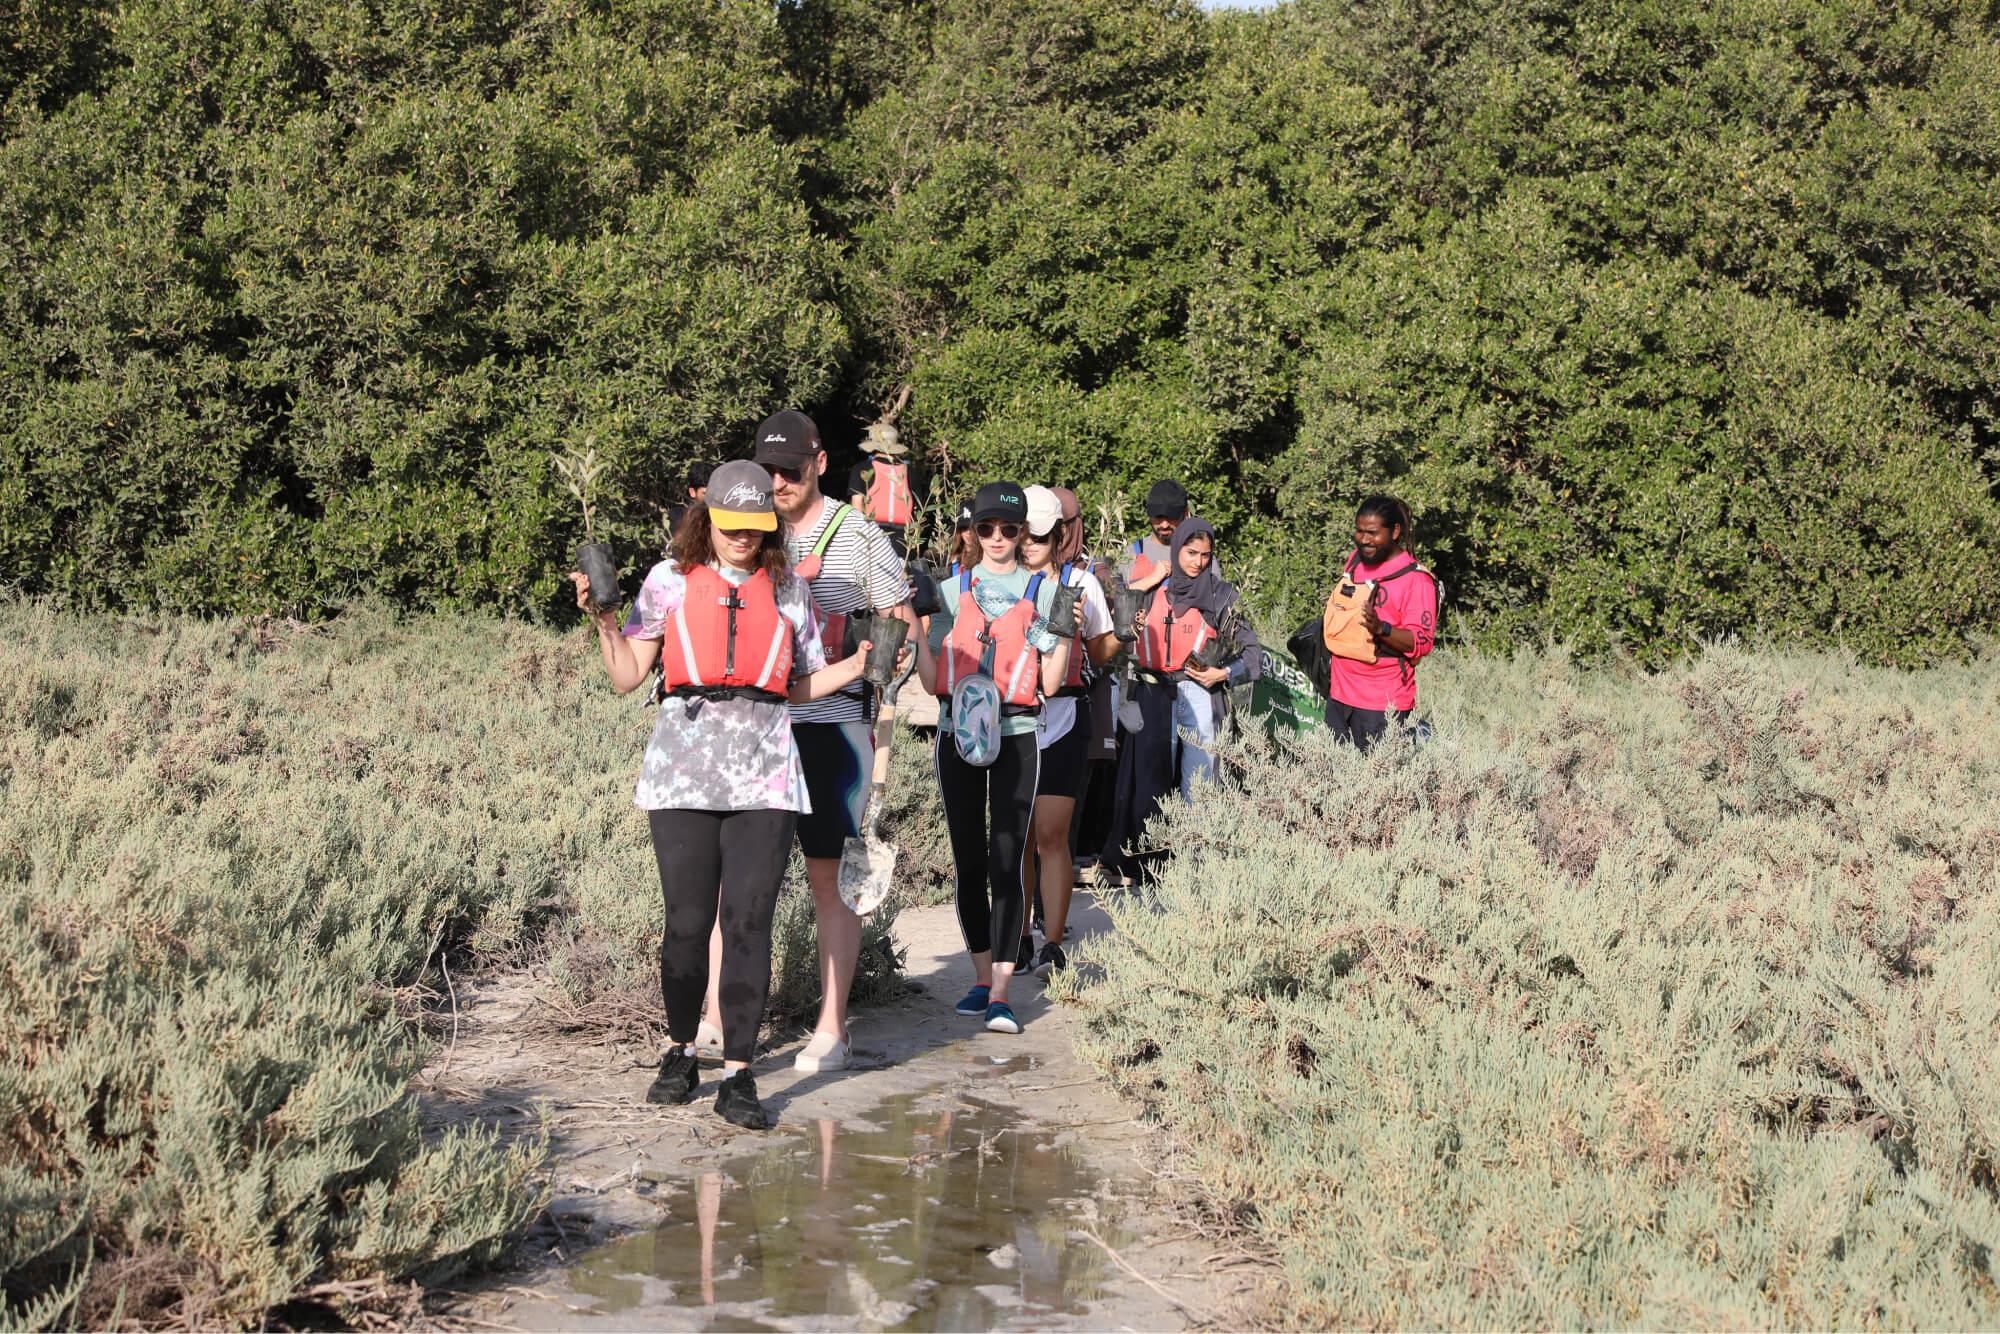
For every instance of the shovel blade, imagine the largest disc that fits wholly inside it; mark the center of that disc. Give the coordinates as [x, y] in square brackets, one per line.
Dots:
[867, 869]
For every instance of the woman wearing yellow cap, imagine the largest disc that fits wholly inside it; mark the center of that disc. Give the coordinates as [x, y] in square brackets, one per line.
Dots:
[736, 640]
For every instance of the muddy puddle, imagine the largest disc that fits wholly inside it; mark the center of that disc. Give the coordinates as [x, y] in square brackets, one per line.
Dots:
[922, 1216]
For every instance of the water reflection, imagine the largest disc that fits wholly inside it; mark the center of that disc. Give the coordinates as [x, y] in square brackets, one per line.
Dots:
[923, 1220]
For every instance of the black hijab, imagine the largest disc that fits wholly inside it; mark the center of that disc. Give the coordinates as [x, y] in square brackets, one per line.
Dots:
[1205, 590]
[1210, 592]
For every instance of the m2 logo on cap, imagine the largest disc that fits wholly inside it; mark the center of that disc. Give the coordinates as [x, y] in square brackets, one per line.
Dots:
[744, 494]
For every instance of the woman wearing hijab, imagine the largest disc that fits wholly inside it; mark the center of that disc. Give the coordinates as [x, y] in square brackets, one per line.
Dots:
[1193, 644]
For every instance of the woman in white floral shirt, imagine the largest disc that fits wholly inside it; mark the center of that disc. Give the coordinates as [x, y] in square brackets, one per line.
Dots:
[737, 642]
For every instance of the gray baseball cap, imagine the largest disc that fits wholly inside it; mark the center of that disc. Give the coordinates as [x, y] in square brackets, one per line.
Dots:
[739, 496]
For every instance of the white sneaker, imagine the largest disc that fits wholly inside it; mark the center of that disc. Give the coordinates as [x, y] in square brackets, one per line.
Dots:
[824, 1052]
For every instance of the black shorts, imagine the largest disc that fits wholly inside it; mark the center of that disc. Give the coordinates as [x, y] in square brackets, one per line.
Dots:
[836, 758]
[1066, 759]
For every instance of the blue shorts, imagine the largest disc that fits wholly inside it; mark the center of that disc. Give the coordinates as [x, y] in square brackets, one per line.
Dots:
[836, 758]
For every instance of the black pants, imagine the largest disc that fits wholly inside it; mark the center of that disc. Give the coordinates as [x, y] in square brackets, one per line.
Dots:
[989, 813]
[744, 853]
[1362, 727]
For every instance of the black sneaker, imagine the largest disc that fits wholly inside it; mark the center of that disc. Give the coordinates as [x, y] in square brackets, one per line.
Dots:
[1025, 960]
[1051, 959]
[736, 1102]
[679, 1076]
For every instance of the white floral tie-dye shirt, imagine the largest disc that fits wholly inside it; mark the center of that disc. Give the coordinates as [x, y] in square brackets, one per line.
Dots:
[731, 754]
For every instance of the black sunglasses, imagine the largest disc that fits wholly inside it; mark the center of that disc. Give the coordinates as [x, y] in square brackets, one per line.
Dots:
[792, 475]
[1010, 531]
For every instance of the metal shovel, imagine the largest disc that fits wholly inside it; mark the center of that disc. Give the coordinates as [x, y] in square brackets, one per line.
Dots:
[867, 864]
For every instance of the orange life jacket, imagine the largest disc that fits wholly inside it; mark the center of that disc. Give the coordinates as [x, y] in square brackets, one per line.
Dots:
[1167, 637]
[1343, 625]
[1142, 564]
[727, 638]
[1017, 667]
[889, 493]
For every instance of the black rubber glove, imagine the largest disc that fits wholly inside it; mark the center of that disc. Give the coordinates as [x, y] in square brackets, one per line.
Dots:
[1062, 612]
[926, 598]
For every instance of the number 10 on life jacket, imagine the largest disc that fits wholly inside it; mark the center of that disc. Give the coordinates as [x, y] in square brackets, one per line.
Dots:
[1016, 666]
[1167, 637]
[727, 638]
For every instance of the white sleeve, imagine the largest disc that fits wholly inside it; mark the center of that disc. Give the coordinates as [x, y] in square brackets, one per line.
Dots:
[1095, 617]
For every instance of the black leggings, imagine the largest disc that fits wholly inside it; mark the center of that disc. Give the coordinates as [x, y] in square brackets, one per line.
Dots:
[1004, 797]
[744, 853]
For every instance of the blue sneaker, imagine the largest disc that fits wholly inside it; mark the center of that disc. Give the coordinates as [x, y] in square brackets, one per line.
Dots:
[1000, 1018]
[974, 1003]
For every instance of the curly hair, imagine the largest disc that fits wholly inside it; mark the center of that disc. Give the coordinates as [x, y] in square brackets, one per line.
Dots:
[694, 544]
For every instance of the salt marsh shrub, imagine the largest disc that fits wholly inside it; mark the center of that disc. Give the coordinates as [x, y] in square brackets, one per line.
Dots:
[1627, 1001]
[222, 846]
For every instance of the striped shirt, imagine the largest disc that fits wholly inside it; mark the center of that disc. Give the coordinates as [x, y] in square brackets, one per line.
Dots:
[859, 571]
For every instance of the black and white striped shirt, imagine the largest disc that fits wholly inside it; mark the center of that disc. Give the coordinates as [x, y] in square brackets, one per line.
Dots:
[859, 571]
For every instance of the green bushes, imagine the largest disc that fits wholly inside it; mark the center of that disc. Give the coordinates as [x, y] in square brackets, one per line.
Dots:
[1656, 1001]
[224, 847]
[1670, 325]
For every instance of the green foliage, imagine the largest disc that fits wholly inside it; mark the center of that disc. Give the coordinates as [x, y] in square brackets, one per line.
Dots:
[1656, 1001]
[302, 300]
[1671, 322]
[224, 847]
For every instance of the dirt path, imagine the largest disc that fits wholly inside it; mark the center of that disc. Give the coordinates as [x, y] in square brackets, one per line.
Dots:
[951, 1178]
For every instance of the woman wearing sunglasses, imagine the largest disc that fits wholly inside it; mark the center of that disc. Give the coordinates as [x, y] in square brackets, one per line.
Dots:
[1008, 647]
[1053, 546]
[1193, 644]
[737, 641]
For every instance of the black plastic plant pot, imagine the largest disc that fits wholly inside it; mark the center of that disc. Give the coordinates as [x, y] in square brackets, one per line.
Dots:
[885, 641]
[1126, 604]
[601, 568]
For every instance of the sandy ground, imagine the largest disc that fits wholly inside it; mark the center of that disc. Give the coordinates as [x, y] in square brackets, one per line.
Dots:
[935, 1120]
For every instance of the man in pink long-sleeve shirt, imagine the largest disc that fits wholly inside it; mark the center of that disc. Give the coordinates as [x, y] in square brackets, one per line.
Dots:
[1402, 617]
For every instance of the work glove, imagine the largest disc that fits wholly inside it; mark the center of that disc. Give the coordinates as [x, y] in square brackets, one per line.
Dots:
[926, 598]
[1062, 612]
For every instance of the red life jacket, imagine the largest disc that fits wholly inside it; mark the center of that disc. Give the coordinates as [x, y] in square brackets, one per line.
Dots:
[1142, 564]
[1167, 637]
[727, 638]
[889, 492]
[1017, 667]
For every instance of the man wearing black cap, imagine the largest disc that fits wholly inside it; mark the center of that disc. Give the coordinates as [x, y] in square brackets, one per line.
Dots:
[1166, 506]
[850, 567]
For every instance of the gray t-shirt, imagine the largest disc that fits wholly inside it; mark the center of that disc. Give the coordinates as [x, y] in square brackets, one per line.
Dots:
[733, 754]
[859, 571]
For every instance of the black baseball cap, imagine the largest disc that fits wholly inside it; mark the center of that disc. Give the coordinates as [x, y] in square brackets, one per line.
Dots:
[1004, 501]
[786, 439]
[1167, 500]
[964, 517]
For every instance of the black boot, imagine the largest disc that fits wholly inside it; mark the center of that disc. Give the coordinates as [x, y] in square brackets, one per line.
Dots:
[677, 1080]
[736, 1102]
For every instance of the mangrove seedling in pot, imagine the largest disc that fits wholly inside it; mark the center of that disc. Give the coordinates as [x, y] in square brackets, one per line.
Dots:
[580, 473]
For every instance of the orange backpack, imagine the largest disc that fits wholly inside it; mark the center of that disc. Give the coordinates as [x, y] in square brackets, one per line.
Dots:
[1342, 624]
